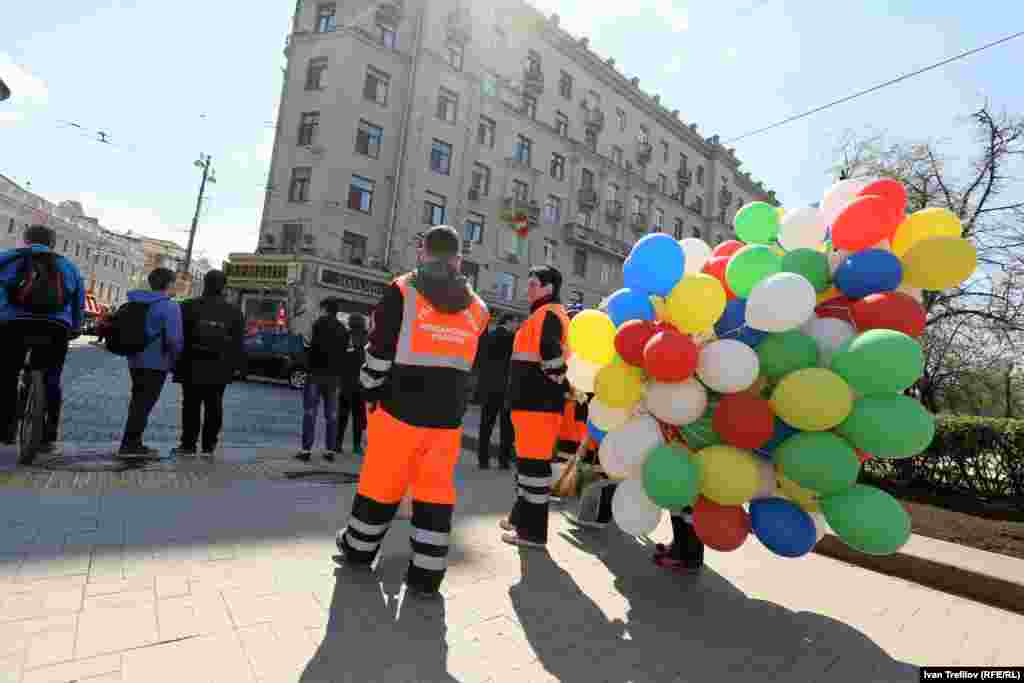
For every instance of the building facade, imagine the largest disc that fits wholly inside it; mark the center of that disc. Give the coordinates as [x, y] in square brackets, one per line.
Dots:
[110, 263]
[171, 255]
[487, 117]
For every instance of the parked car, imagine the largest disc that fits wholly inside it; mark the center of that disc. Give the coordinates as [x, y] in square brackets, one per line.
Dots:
[276, 355]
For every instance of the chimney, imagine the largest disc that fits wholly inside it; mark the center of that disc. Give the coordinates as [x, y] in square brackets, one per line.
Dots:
[657, 99]
[611, 61]
[635, 81]
[675, 113]
[693, 127]
[584, 42]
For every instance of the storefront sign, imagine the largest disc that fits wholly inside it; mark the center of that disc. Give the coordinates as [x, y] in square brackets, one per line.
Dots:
[336, 279]
[261, 275]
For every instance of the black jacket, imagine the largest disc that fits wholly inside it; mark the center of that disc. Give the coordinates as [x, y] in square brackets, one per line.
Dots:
[199, 367]
[493, 359]
[353, 361]
[327, 348]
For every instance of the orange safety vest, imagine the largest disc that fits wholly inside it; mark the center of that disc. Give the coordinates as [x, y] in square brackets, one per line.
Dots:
[433, 360]
[529, 388]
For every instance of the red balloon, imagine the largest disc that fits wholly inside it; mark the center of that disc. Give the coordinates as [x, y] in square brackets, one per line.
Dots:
[671, 356]
[895, 196]
[631, 338]
[839, 307]
[720, 527]
[727, 248]
[889, 311]
[744, 420]
[715, 267]
[866, 221]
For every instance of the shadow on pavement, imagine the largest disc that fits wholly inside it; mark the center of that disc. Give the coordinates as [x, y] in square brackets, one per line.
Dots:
[681, 628]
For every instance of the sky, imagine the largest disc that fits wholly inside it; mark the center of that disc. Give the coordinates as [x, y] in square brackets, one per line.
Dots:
[168, 81]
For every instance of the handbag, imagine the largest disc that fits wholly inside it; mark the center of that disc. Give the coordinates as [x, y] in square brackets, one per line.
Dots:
[568, 484]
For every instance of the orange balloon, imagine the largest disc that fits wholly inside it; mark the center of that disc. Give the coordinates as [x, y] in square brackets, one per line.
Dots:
[867, 220]
[715, 267]
[895, 196]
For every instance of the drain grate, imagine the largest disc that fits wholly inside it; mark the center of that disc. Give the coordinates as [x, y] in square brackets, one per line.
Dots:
[322, 477]
[96, 461]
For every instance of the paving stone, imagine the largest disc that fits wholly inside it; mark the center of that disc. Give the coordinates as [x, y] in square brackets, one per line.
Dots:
[105, 667]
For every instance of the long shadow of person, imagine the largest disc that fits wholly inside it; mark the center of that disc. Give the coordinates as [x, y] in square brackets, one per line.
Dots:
[679, 628]
[374, 634]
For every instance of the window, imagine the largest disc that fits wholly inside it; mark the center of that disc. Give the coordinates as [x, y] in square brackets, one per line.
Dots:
[550, 252]
[308, 125]
[500, 37]
[584, 218]
[353, 248]
[664, 152]
[562, 124]
[638, 204]
[530, 106]
[662, 183]
[65, 248]
[291, 235]
[612, 192]
[326, 21]
[441, 157]
[368, 139]
[553, 210]
[524, 149]
[454, 53]
[659, 220]
[606, 273]
[698, 205]
[298, 189]
[520, 190]
[472, 273]
[360, 194]
[695, 232]
[473, 230]
[565, 85]
[592, 100]
[485, 132]
[434, 210]
[506, 284]
[447, 105]
[684, 160]
[376, 85]
[617, 156]
[316, 74]
[481, 181]
[644, 137]
[677, 231]
[621, 116]
[557, 167]
[579, 263]
[586, 179]
[106, 260]
[532, 62]
[78, 247]
[700, 175]
[590, 139]
[388, 37]
[10, 226]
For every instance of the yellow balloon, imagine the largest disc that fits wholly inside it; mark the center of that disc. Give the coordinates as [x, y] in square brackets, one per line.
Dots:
[728, 475]
[619, 385]
[922, 225]
[696, 303]
[782, 212]
[828, 294]
[805, 498]
[939, 263]
[660, 309]
[812, 399]
[592, 337]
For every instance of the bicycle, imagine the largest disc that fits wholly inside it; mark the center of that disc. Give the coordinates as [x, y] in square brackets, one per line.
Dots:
[32, 410]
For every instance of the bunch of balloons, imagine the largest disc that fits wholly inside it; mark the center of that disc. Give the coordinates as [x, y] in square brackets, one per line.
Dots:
[751, 381]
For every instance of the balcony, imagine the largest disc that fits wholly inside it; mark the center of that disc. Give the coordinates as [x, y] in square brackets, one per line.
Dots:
[639, 223]
[587, 237]
[593, 119]
[389, 14]
[459, 26]
[643, 151]
[613, 210]
[588, 197]
[533, 82]
[684, 177]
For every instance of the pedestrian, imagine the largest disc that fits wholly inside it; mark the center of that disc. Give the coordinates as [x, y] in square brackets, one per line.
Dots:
[326, 366]
[595, 504]
[350, 398]
[686, 552]
[161, 325]
[213, 353]
[494, 356]
[537, 401]
[423, 339]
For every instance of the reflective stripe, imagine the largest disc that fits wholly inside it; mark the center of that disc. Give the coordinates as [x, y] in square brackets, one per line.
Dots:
[404, 355]
[374, 363]
[370, 382]
[526, 356]
[436, 564]
[368, 529]
[360, 545]
[536, 482]
[535, 498]
[553, 364]
[430, 537]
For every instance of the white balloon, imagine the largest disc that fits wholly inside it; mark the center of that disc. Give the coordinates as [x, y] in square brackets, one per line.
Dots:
[623, 451]
[605, 417]
[697, 254]
[802, 228]
[581, 374]
[769, 480]
[840, 195]
[728, 366]
[829, 334]
[781, 302]
[632, 510]
[677, 403]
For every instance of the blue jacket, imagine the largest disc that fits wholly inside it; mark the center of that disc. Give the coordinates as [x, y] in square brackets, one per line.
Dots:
[74, 289]
[163, 326]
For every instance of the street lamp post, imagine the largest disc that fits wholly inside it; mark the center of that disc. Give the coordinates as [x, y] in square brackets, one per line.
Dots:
[205, 162]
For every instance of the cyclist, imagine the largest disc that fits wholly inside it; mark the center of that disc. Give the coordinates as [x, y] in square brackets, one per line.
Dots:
[41, 297]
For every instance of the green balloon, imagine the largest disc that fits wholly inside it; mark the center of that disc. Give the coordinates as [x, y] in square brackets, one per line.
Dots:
[782, 353]
[888, 426]
[820, 461]
[867, 519]
[750, 265]
[671, 478]
[810, 263]
[700, 434]
[879, 362]
[757, 223]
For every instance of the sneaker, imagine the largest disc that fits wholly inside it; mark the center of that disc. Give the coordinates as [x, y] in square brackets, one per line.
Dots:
[421, 593]
[678, 566]
[138, 452]
[484, 465]
[183, 452]
[329, 456]
[303, 455]
[575, 519]
[357, 451]
[46, 448]
[505, 465]
[208, 455]
[516, 539]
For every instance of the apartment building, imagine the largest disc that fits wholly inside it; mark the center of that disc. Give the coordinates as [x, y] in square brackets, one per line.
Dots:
[490, 117]
[171, 255]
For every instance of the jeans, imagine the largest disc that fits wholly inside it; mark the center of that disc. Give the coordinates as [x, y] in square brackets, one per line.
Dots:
[146, 387]
[320, 390]
[351, 403]
[208, 399]
[49, 356]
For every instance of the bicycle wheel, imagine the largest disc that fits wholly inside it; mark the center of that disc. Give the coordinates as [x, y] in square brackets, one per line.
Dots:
[33, 420]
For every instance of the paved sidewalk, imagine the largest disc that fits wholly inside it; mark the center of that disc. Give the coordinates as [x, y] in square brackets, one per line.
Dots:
[235, 583]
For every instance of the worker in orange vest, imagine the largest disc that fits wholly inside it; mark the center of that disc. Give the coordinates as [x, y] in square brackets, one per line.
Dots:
[537, 401]
[423, 340]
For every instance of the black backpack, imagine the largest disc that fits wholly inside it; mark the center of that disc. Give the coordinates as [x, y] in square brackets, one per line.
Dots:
[39, 285]
[128, 329]
[210, 337]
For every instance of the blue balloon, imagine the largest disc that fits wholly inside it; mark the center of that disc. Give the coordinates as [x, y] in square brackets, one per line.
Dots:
[868, 272]
[782, 432]
[782, 526]
[733, 324]
[627, 304]
[595, 433]
[655, 264]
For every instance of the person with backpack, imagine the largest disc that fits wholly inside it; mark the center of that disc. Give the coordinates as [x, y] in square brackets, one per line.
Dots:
[214, 331]
[350, 398]
[326, 365]
[148, 331]
[42, 296]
